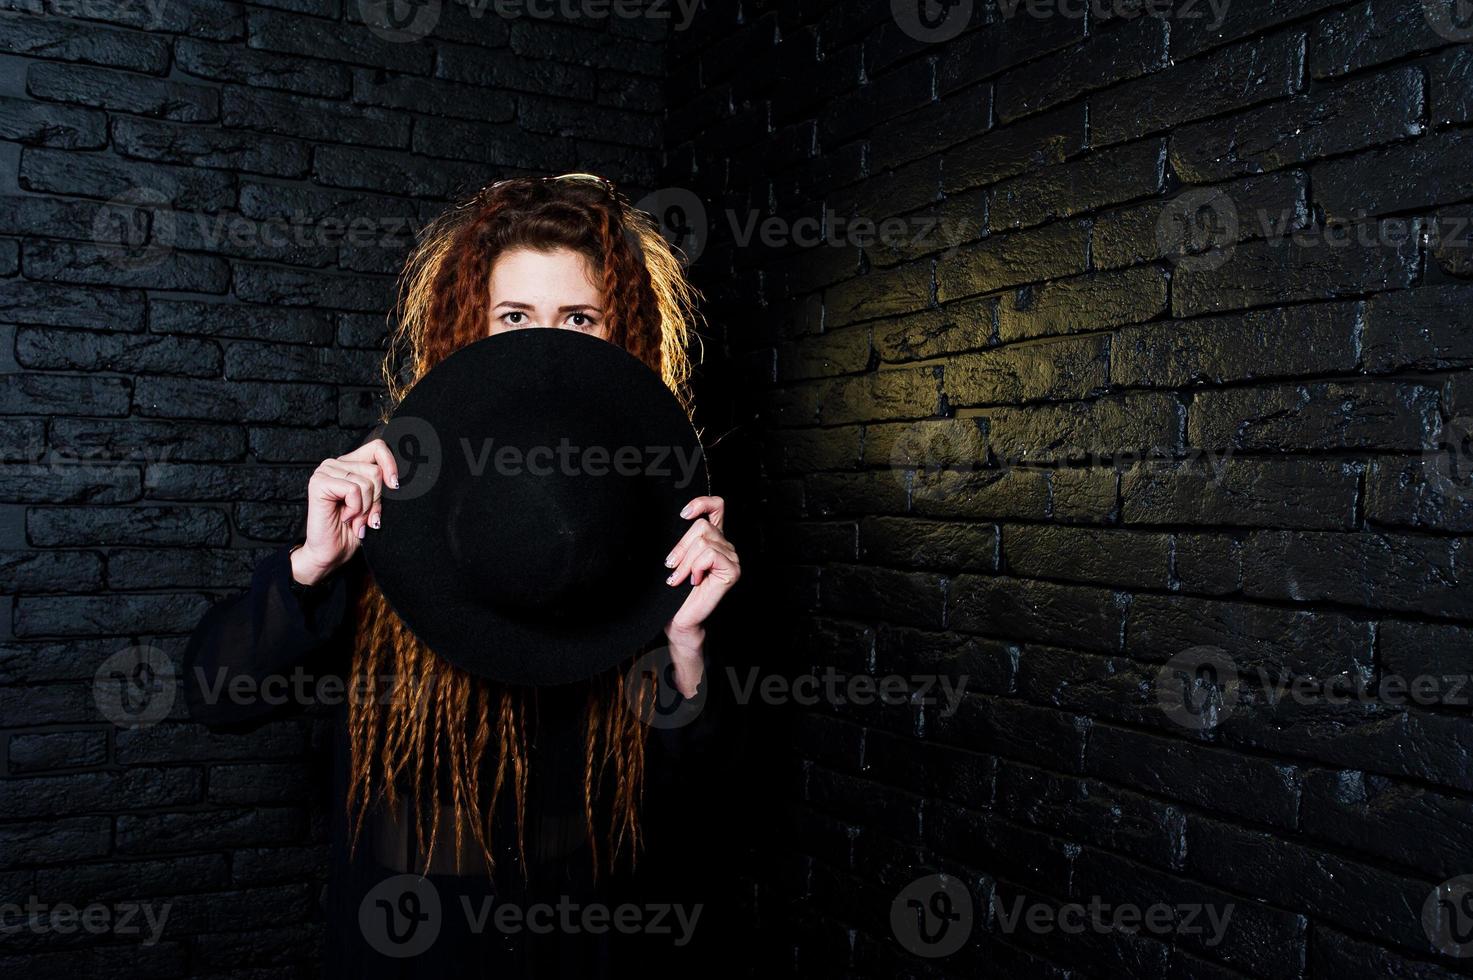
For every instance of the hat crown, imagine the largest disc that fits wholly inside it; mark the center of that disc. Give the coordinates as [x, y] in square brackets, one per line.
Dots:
[539, 543]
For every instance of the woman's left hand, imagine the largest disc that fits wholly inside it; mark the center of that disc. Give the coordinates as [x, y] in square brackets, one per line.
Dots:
[711, 563]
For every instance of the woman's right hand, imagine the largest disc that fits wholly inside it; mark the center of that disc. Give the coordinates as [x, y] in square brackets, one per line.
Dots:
[343, 501]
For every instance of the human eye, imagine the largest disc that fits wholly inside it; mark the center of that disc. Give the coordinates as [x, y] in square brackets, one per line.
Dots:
[582, 321]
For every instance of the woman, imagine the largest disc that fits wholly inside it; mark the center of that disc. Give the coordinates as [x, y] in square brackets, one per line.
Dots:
[457, 799]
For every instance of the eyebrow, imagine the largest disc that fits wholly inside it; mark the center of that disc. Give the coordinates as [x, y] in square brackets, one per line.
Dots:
[561, 309]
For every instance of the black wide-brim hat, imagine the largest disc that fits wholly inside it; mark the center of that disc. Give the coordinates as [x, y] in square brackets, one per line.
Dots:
[542, 473]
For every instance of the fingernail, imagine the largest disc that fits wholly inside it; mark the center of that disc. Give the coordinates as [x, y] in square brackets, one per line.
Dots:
[374, 522]
[394, 483]
[670, 560]
[686, 512]
[671, 579]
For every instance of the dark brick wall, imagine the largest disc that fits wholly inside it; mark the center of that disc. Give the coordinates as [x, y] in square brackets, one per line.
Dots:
[1169, 353]
[1162, 366]
[164, 400]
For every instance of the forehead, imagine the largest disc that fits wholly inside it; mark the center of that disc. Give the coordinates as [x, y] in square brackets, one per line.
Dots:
[552, 274]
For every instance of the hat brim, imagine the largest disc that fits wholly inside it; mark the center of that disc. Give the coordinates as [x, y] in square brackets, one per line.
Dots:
[541, 385]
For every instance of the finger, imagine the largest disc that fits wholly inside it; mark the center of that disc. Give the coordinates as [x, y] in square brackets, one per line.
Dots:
[722, 559]
[368, 490]
[345, 493]
[683, 568]
[371, 477]
[709, 560]
[377, 452]
[692, 534]
[713, 508]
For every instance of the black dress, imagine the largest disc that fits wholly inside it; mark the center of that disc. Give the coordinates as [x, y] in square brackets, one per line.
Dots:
[555, 918]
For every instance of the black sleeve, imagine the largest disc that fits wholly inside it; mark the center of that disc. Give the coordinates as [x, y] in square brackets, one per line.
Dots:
[248, 656]
[687, 731]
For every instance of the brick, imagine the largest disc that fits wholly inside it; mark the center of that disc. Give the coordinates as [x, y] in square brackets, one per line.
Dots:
[1046, 370]
[239, 320]
[1299, 340]
[67, 839]
[968, 325]
[882, 293]
[51, 37]
[219, 149]
[234, 401]
[1013, 259]
[1431, 492]
[40, 752]
[1285, 270]
[1200, 220]
[309, 37]
[867, 594]
[103, 88]
[260, 69]
[93, 175]
[35, 124]
[52, 571]
[394, 173]
[1120, 428]
[1370, 33]
[1376, 571]
[1103, 557]
[42, 394]
[1260, 790]
[1359, 896]
[1282, 641]
[124, 353]
[1451, 94]
[986, 494]
[1429, 328]
[113, 615]
[1086, 617]
[212, 481]
[1108, 177]
[110, 265]
[1363, 112]
[1135, 48]
[1227, 79]
[1087, 302]
[312, 119]
[290, 287]
[1300, 493]
[51, 305]
[928, 544]
[1323, 415]
[1405, 176]
[1011, 150]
